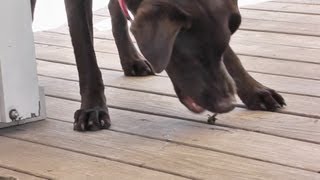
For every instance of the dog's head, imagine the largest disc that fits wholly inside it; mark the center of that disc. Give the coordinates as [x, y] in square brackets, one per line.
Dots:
[188, 38]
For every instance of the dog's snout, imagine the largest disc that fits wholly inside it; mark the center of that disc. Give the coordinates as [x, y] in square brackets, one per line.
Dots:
[225, 105]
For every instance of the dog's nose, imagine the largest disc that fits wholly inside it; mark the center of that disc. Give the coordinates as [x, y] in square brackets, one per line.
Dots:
[224, 105]
[234, 22]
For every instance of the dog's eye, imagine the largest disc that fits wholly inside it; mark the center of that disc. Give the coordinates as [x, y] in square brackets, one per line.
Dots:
[234, 22]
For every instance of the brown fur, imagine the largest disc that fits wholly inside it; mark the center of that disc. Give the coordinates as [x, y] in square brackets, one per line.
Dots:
[187, 38]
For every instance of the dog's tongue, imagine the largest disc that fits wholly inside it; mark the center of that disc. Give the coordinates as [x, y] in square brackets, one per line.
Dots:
[192, 105]
[124, 9]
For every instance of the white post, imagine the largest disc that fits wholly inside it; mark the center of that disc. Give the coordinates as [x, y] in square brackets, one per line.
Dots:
[20, 98]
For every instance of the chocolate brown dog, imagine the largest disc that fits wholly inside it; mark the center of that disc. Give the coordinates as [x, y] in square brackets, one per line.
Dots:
[187, 38]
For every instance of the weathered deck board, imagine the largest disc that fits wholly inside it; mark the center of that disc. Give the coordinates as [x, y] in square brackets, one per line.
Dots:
[286, 7]
[304, 105]
[241, 47]
[64, 164]
[6, 173]
[255, 64]
[153, 136]
[280, 67]
[234, 141]
[272, 123]
[281, 27]
[277, 52]
[313, 2]
[270, 17]
[277, 39]
[188, 161]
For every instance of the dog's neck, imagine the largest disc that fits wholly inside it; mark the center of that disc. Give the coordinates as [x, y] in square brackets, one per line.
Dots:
[124, 9]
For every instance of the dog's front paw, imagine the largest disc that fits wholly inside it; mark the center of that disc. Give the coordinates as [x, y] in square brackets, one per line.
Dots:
[91, 119]
[138, 67]
[262, 98]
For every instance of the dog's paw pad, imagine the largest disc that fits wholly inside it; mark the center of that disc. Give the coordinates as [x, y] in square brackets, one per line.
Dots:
[138, 68]
[91, 119]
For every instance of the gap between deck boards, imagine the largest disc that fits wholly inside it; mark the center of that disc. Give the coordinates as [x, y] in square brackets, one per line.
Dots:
[311, 2]
[285, 7]
[18, 174]
[118, 136]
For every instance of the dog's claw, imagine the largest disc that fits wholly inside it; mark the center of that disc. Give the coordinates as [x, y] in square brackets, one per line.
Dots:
[264, 99]
[138, 68]
[91, 119]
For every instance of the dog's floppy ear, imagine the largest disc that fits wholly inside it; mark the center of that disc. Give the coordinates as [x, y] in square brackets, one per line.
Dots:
[155, 28]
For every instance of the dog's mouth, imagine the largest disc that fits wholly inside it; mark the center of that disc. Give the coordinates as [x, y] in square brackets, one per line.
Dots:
[225, 105]
[220, 105]
[192, 105]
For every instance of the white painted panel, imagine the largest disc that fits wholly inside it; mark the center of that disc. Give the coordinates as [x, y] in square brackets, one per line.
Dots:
[18, 78]
[42, 116]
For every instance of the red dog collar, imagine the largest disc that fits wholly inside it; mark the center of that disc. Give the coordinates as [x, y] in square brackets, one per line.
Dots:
[124, 9]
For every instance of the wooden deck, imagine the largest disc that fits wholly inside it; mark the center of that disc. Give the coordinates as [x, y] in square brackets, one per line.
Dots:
[153, 136]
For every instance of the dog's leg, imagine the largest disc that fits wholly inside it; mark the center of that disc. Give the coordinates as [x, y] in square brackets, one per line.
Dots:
[132, 62]
[33, 5]
[252, 93]
[93, 114]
